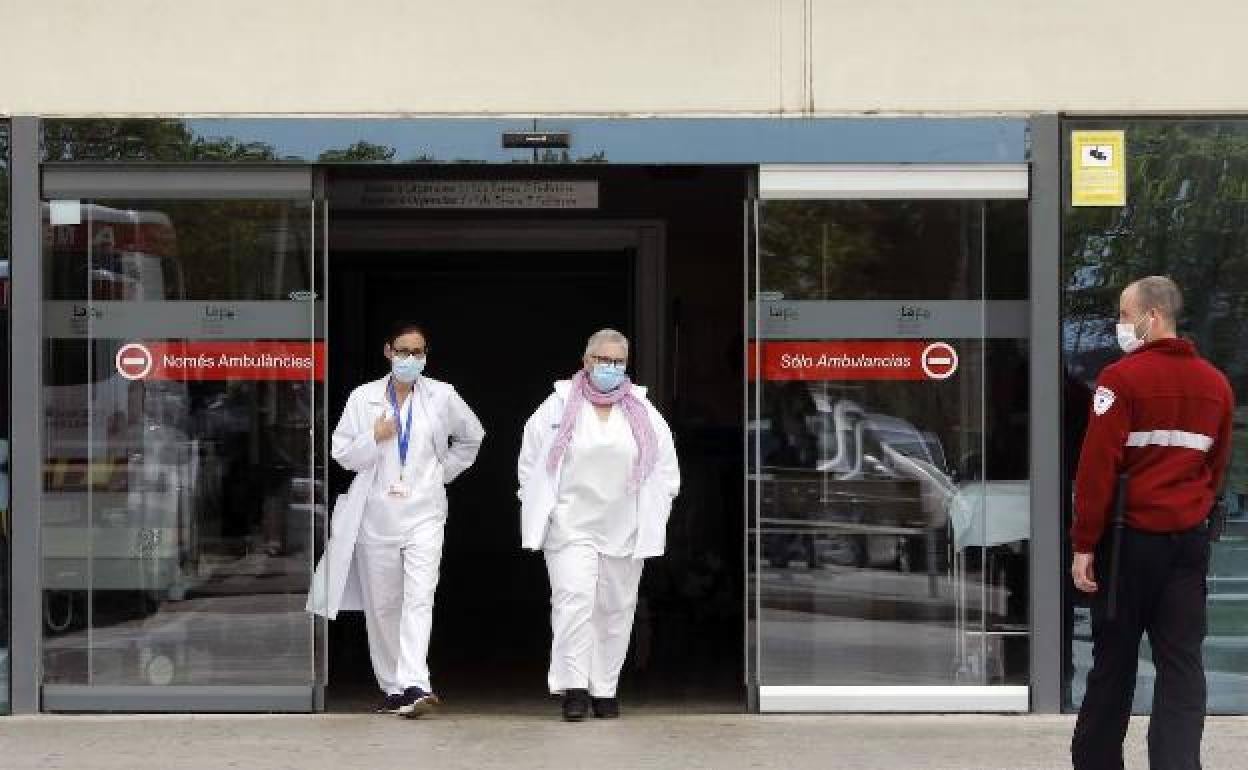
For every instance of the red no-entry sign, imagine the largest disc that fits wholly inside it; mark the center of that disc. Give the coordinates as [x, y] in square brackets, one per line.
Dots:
[134, 361]
[939, 361]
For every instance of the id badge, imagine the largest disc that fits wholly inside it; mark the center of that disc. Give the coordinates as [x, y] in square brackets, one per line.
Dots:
[399, 491]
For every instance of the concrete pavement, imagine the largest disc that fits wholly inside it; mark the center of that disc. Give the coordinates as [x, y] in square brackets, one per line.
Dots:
[641, 741]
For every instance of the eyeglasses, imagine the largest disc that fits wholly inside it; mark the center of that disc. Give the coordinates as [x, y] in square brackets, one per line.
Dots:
[405, 352]
[619, 363]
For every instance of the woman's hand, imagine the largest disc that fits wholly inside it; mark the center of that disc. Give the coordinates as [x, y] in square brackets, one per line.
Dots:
[385, 428]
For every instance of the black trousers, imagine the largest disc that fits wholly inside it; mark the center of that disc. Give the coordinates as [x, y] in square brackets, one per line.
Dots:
[1161, 592]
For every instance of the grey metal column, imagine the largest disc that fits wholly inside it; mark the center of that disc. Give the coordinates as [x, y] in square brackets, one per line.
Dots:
[25, 464]
[1047, 559]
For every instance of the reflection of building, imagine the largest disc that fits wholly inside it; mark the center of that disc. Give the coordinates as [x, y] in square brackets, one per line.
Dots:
[889, 530]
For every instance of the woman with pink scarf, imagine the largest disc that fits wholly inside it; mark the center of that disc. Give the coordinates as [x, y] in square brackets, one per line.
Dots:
[598, 473]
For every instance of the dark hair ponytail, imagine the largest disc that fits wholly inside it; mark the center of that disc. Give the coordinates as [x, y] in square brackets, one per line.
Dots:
[406, 327]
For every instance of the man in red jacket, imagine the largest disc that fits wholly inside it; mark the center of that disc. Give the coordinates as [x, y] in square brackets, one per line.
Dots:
[1162, 416]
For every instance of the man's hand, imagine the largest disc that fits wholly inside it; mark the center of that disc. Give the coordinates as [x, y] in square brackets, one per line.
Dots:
[385, 428]
[1081, 571]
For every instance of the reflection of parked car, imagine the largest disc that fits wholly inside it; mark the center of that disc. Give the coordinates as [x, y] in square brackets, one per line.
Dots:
[878, 487]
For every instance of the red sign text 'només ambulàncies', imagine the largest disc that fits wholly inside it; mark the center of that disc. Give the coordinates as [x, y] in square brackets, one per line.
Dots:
[239, 360]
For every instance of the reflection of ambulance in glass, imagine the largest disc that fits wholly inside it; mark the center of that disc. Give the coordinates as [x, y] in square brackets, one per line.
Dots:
[119, 472]
[850, 485]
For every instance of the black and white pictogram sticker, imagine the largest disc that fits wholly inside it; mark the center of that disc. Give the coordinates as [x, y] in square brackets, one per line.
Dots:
[1095, 155]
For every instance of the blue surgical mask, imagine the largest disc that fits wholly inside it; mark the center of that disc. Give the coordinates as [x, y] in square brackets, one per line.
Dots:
[606, 377]
[407, 368]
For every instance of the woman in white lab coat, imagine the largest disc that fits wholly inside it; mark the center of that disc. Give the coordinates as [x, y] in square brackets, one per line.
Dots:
[598, 474]
[405, 436]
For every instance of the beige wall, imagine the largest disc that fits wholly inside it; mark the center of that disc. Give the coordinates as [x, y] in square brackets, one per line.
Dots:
[619, 56]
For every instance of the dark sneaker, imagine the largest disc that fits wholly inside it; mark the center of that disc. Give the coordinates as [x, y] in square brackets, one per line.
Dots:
[391, 704]
[606, 708]
[575, 705]
[417, 703]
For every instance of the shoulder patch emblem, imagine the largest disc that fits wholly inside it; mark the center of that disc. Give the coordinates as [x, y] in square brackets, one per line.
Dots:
[1102, 400]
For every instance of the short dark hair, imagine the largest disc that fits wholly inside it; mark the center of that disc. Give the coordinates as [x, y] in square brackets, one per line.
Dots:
[406, 327]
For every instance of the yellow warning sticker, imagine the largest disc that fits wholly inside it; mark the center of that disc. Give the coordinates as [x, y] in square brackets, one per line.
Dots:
[1098, 174]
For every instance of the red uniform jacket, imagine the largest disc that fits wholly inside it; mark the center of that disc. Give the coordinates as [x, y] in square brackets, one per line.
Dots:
[1163, 415]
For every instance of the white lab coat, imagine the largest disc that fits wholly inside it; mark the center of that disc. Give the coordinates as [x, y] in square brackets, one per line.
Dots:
[539, 489]
[457, 435]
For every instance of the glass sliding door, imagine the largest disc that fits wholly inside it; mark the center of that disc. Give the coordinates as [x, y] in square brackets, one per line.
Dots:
[182, 501]
[890, 501]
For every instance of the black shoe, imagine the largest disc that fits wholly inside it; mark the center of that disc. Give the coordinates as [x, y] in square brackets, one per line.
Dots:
[606, 708]
[575, 705]
[417, 703]
[391, 704]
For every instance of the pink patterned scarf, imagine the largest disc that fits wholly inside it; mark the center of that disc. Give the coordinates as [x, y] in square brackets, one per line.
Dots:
[634, 410]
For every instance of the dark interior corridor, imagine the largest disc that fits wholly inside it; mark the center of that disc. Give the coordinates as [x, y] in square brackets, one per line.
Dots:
[503, 325]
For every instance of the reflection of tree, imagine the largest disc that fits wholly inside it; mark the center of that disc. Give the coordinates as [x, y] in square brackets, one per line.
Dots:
[218, 250]
[223, 249]
[169, 140]
[143, 139]
[871, 250]
[1187, 217]
[361, 152]
[241, 249]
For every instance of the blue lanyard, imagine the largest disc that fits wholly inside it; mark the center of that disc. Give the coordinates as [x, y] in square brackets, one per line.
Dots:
[404, 431]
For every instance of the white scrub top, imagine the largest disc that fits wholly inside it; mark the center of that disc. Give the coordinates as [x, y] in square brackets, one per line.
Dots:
[389, 520]
[595, 505]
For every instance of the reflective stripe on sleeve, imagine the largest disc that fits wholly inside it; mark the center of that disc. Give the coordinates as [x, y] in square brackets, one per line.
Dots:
[1179, 438]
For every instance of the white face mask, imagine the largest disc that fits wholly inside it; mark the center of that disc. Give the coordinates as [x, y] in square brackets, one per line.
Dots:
[1128, 340]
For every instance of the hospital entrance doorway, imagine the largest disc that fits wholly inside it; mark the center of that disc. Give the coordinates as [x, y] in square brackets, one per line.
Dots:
[508, 304]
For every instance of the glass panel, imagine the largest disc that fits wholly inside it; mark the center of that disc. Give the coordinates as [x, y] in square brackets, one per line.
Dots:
[4, 418]
[1187, 217]
[181, 499]
[888, 465]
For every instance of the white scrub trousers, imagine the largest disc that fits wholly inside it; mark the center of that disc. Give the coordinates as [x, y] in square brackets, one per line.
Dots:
[592, 599]
[398, 583]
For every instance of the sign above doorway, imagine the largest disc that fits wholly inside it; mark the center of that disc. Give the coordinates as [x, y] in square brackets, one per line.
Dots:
[465, 194]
